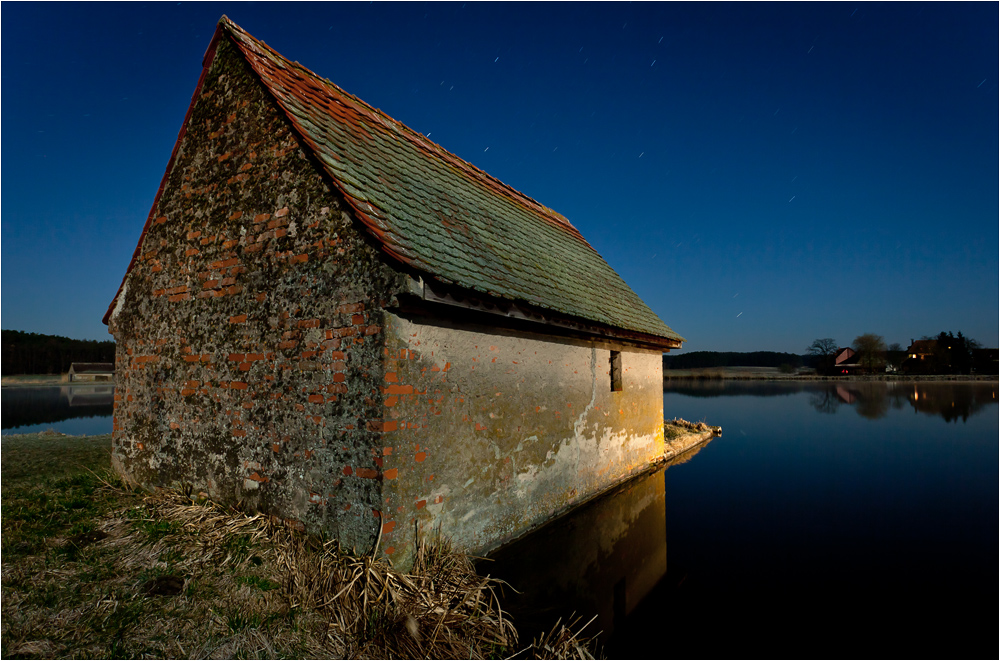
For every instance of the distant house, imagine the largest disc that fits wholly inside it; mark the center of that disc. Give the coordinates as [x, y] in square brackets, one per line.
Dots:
[921, 349]
[334, 320]
[937, 356]
[845, 361]
[920, 357]
[91, 372]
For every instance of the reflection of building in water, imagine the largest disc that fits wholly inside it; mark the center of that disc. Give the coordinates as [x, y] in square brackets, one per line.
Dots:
[845, 395]
[952, 400]
[873, 400]
[36, 406]
[601, 559]
[88, 395]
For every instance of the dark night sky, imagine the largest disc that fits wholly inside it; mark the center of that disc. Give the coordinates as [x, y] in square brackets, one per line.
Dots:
[761, 174]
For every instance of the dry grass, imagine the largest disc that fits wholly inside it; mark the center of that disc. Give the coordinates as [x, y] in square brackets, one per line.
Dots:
[92, 569]
[110, 574]
[562, 642]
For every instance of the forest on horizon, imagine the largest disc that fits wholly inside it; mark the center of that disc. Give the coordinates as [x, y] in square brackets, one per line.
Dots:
[36, 353]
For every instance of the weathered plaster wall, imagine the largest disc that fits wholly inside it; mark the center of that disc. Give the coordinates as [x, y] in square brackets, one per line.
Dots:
[490, 432]
[250, 329]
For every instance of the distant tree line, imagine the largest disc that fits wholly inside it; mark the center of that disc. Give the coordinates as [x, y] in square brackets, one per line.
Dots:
[950, 354]
[699, 359]
[955, 354]
[34, 353]
[945, 353]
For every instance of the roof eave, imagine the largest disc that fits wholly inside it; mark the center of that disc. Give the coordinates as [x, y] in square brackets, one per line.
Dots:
[438, 295]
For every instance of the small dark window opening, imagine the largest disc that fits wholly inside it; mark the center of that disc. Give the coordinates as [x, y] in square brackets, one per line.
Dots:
[616, 371]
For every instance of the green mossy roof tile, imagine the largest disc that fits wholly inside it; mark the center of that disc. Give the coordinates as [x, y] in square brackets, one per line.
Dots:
[442, 215]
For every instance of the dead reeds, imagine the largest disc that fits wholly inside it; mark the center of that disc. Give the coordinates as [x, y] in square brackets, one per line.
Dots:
[440, 609]
[562, 642]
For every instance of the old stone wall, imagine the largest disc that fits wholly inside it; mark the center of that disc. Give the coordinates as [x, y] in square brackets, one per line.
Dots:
[489, 433]
[249, 332]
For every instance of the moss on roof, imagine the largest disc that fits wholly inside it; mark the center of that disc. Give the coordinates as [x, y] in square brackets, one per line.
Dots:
[437, 213]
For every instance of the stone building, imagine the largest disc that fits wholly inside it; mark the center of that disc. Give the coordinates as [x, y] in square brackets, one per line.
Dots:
[91, 371]
[336, 321]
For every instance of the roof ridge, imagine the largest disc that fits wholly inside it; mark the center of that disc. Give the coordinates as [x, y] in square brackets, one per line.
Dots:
[415, 137]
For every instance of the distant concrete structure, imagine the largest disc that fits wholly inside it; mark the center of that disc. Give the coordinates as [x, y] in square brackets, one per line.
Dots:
[91, 372]
[333, 320]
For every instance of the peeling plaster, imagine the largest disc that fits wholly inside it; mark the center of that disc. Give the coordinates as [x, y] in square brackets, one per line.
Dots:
[519, 425]
[121, 300]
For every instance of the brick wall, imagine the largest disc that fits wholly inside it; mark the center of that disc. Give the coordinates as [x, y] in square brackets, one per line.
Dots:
[249, 332]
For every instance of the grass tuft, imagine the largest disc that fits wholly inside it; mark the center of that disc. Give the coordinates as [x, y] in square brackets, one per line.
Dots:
[562, 642]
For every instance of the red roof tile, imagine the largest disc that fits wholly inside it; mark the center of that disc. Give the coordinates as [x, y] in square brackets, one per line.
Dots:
[441, 215]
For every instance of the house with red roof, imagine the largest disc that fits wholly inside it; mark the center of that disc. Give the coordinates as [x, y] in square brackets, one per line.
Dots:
[845, 361]
[337, 322]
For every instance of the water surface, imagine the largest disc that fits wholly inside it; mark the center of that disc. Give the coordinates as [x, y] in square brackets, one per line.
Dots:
[78, 409]
[831, 519]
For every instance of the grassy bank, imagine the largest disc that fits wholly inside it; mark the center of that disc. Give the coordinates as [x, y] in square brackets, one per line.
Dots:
[13, 381]
[94, 569]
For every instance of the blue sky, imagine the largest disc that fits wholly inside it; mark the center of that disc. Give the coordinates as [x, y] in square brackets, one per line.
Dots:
[761, 174]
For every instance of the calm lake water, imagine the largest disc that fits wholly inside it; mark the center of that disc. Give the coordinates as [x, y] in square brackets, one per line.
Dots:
[830, 520]
[80, 409]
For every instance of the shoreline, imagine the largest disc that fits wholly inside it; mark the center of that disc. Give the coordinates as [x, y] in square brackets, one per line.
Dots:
[46, 381]
[750, 376]
[43, 381]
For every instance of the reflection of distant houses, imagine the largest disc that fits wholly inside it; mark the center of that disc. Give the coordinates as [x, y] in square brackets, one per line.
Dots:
[92, 372]
[846, 396]
[953, 402]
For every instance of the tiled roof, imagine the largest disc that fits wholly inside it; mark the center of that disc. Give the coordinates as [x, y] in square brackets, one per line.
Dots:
[923, 346]
[102, 368]
[441, 215]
